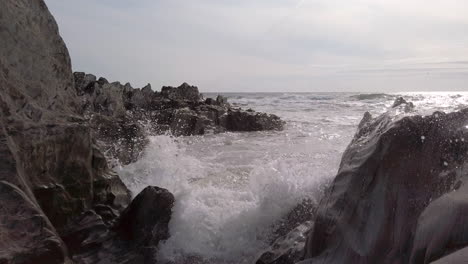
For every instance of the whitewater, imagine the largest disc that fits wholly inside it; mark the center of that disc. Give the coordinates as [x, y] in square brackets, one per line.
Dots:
[232, 188]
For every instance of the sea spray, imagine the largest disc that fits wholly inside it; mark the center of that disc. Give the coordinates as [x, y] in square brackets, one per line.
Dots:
[225, 206]
[232, 188]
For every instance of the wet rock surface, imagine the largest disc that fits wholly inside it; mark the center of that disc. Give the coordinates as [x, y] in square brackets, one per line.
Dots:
[59, 197]
[61, 134]
[101, 235]
[287, 246]
[399, 194]
[121, 111]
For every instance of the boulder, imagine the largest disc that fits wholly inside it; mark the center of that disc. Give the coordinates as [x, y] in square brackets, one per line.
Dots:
[102, 236]
[145, 220]
[383, 205]
[238, 120]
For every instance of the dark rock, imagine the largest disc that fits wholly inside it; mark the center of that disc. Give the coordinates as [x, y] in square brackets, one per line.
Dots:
[48, 169]
[290, 235]
[210, 101]
[287, 249]
[102, 81]
[145, 220]
[86, 233]
[184, 92]
[84, 83]
[107, 213]
[408, 106]
[188, 122]
[221, 100]
[121, 139]
[303, 212]
[179, 110]
[27, 235]
[399, 101]
[457, 257]
[383, 205]
[441, 227]
[101, 236]
[251, 121]
[57, 132]
[35, 68]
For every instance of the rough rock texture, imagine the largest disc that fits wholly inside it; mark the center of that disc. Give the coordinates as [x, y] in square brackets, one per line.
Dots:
[60, 200]
[399, 196]
[100, 236]
[145, 221]
[290, 235]
[287, 249]
[27, 236]
[48, 170]
[458, 257]
[179, 110]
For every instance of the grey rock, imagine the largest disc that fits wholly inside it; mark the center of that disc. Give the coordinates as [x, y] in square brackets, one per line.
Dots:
[179, 110]
[145, 220]
[387, 190]
[221, 100]
[407, 106]
[27, 235]
[290, 235]
[48, 172]
[287, 249]
[442, 226]
[35, 68]
[252, 121]
[457, 257]
[184, 92]
[132, 237]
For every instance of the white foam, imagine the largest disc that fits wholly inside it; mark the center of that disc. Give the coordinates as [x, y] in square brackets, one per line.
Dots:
[218, 216]
[230, 188]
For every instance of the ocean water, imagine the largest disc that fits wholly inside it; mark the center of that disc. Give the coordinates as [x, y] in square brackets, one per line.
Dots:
[232, 188]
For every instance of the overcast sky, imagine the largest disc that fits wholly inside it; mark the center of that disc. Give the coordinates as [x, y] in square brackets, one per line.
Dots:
[270, 45]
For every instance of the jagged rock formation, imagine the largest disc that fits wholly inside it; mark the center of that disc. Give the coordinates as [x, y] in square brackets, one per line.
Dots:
[60, 200]
[101, 236]
[54, 180]
[400, 193]
[120, 111]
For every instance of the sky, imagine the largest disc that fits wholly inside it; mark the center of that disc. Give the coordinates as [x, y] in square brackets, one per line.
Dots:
[271, 45]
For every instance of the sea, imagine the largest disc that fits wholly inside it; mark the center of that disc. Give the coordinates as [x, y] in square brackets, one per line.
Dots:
[231, 189]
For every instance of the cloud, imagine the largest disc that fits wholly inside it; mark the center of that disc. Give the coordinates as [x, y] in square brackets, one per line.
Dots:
[266, 45]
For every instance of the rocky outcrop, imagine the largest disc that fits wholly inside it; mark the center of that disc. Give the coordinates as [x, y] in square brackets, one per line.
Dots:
[120, 111]
[101, 236]
[51, 169]
[60, 199]
[399, 195]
